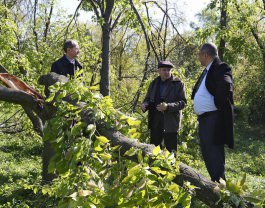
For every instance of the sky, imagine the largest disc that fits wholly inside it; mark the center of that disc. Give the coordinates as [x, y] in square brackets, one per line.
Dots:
[189, 7]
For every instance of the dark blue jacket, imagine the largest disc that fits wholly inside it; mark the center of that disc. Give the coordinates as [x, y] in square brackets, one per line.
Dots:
[64, 67]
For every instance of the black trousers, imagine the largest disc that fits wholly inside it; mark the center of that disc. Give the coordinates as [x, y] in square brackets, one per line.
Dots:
[170, 139]
[213, 155]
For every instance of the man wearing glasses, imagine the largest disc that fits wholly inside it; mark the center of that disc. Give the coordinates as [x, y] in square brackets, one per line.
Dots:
[164, 101]
[67, 65]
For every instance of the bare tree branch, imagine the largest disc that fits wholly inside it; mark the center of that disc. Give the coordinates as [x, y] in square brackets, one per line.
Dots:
[95, 8]
[116, 21]
[75, 14]
[48, 22]
[35, 24]
[172, 24]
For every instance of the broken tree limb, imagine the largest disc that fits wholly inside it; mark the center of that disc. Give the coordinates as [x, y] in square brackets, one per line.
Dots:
[207, 191]
[43, 110]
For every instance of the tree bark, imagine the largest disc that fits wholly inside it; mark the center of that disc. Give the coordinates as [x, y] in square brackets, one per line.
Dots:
[48, 23]
[2, 69]
[223, 25]
[105, 70]
[47, 154]
[35, 25]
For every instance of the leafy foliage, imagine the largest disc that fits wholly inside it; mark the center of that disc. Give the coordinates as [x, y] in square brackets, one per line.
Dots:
[92, 173]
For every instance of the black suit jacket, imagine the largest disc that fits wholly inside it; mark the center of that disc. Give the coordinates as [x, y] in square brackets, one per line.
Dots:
[219, 82]
[64, 67]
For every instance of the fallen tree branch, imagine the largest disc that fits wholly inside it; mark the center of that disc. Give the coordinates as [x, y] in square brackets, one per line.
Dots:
[208, 192]
[43, 110]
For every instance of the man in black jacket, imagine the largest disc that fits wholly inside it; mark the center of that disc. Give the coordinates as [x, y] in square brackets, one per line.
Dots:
[213, 103]
[67, 65]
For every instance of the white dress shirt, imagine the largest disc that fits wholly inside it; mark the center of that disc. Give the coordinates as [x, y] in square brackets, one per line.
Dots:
[203, 101]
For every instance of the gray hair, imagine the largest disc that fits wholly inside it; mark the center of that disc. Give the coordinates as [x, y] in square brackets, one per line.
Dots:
[69, 44]
[210, 49]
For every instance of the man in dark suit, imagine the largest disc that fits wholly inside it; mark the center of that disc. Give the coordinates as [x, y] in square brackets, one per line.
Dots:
[67, 65]
[213, 103]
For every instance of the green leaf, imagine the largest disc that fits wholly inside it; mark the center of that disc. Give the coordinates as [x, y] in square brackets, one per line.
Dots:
[77, 129]
[140, 156]
[51, 167]
[134, 170]
[156, 150]
[105, 156]
[153, 199]
[136, 135]
[133, 122]
[123, 117]
[159, 171]
[243, 180]
[132, 151]
[174, 188]
[132, 131]
[94, 88]
[170, 176]
[102, 139]
[98, 149]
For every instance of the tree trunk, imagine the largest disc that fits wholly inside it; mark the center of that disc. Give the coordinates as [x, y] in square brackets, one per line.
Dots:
[105, 71]
[35, 25]
[47, 154]
[223, 25]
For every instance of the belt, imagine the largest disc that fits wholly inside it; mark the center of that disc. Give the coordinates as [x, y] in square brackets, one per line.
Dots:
[207, 114]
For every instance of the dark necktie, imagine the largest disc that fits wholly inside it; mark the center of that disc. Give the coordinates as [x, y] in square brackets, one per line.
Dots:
[198, 83]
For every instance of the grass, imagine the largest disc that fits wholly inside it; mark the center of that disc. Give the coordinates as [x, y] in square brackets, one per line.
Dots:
[20, 157]
[248, 156]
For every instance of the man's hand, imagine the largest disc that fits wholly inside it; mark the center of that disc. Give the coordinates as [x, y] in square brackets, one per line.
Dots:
[161, 107]
[144, 106]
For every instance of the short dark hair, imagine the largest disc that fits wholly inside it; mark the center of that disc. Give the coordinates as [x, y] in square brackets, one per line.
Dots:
[69, 44]
[210, 49]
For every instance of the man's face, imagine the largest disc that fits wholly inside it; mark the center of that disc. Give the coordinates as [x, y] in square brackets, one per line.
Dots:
[73, 52]
[164, 72]
[202, 56]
